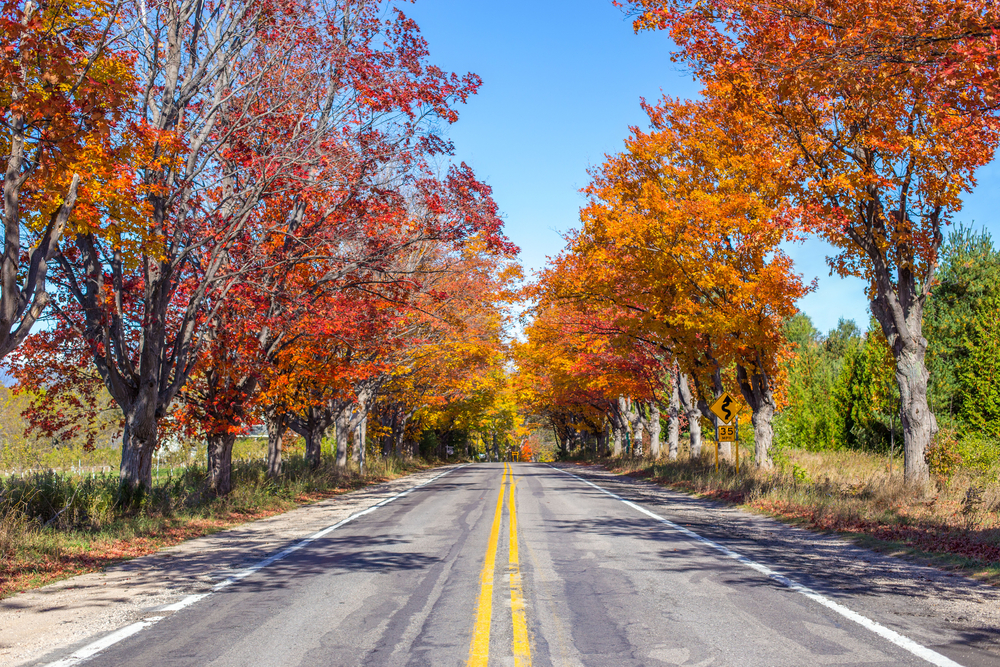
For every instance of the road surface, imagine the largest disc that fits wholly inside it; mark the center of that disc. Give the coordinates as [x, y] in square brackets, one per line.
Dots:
[531, 564]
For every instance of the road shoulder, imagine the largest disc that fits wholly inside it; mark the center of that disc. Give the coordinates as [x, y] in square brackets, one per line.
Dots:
[70, 612]
[945, 610]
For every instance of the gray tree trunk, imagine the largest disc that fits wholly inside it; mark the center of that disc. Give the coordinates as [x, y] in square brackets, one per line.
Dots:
[360, 440]
[220, 463]
[902, 325]
[693, 413]
[355, 419]
[275, 432]
[314, 446]
[139, 444]
[343, 428]
[629, 423]
[756, 390]
[638, 432]
[654, 430]
[617, 433]
[399, 432]
[674, 419]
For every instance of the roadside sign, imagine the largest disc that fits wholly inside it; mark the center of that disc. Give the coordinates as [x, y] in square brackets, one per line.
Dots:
[725, 408]
[727, 432]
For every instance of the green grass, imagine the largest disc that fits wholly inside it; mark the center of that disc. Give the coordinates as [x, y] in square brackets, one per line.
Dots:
[54, 525]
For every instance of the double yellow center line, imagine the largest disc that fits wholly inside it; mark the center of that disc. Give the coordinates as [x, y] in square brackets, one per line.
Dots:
[479, 651]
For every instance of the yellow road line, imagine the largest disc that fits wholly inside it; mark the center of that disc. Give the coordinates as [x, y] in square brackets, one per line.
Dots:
[519, 644]
[479, 651]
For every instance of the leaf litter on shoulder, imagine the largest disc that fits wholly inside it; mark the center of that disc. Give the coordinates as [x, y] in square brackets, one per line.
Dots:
[955, 525]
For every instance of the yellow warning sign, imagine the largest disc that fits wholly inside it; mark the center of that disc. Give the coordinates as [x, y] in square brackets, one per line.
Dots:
[725, 408]
[727, 432]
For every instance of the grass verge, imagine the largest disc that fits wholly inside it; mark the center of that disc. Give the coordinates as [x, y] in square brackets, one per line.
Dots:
[56, 526]
[954, 525]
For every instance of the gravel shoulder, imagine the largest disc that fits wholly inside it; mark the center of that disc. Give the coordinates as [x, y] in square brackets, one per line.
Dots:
[70, 612]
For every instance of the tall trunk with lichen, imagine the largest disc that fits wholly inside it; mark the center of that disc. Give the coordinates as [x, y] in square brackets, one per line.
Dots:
[674, 418]
[902, 322]
[755, 385]
[693, 414]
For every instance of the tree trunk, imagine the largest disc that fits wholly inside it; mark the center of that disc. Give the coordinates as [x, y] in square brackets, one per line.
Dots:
[352, 436]
[654, 430]
[674, 420]
[903, 328]
[342, 427]
[630, 415]
[638, 432]
[693, 413]
[275, 432]
[617, 435]
[314, 446]
[138, 445]
[399, 433]
[756, 390]
[386, 438]
[919, 424]
[561, 444]
[220, 463]
[360, 440]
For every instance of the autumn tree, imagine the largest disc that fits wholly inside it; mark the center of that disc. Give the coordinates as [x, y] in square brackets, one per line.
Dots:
[582, 374]
[448, 374]
[889, 107]
[276, 137]
[66, 88]
[681, 239]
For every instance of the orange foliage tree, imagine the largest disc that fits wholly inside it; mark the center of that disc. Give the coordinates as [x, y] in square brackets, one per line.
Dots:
[65, 92]
[581, 375]
[681, 245]
[886, 109]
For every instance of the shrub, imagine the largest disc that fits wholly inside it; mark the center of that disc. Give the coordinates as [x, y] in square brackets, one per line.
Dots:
[979, 453]
[943, 456]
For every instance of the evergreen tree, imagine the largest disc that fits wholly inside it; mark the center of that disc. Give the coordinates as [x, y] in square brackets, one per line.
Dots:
[979, 372]
[957, 314]
[810, 421]
[866, 395]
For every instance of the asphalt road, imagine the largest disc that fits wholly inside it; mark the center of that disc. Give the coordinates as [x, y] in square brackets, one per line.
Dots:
[435, 578]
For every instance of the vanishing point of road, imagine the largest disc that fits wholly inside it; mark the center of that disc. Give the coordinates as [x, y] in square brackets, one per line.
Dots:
[532, 564]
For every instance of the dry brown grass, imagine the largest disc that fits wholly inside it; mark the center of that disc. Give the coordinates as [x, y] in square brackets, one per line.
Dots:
[955, 523]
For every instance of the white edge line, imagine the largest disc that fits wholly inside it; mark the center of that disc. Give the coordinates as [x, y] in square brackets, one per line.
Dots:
[105, 642]
[902, 641]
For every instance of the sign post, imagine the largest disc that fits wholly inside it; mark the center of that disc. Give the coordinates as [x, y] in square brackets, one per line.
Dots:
[737, 444]
[726, 409]
[716, 448]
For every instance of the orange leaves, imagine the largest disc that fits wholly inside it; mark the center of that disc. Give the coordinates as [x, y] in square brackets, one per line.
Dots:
[682, 236]
[451, 366]
[866, 96]
[63, 104]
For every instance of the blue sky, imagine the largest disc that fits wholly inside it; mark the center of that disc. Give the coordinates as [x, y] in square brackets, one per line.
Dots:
[562, 81]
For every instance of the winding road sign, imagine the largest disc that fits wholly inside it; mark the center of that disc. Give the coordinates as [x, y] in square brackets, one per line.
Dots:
[725, 408]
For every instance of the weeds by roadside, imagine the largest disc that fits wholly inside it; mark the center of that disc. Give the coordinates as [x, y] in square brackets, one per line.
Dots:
[956, 524]
[53, 526]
